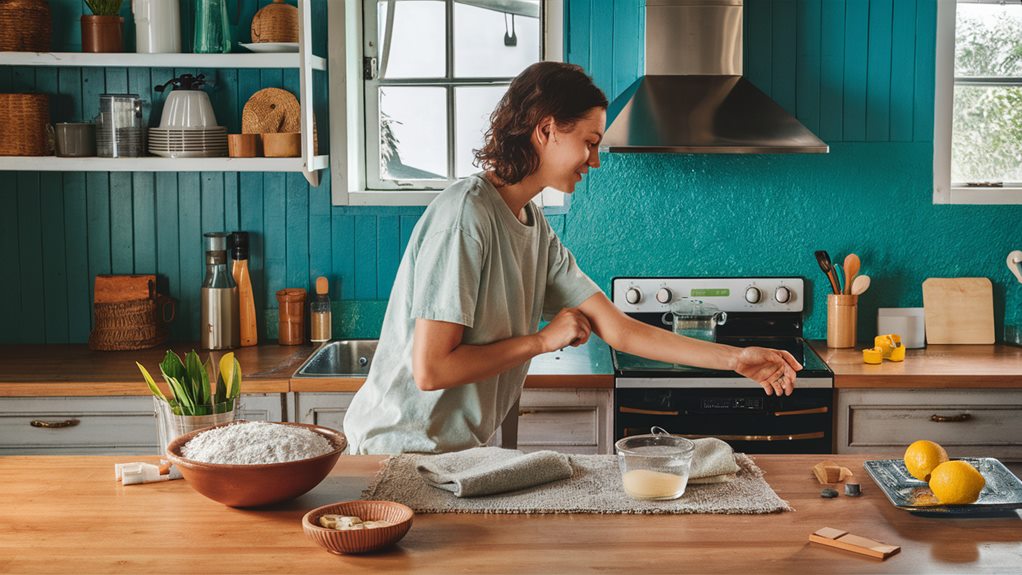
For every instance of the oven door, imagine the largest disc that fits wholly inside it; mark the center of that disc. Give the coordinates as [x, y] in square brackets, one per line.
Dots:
[748, 419]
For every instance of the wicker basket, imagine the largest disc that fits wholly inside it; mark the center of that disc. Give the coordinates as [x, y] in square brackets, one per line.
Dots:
[25, 26]
[273, 110]
[131, 325]
[277, 22]
[24, 123]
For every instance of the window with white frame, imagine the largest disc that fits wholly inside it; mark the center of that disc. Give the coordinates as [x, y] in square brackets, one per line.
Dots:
[412, 86]
[978, 102]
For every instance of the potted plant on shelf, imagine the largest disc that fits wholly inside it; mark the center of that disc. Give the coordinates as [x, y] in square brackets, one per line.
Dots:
[101, 32]
[200, 397]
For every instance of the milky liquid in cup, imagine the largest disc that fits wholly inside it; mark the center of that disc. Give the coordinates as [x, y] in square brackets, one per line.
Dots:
[660, 478]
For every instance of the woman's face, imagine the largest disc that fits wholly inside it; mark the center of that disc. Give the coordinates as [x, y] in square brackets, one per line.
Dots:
[566, 155]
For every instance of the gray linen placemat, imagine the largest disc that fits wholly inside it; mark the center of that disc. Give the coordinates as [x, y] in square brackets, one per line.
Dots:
[595, 487]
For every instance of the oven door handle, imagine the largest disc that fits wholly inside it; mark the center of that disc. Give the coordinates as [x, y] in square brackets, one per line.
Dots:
[636, 410]
[823, 409]
[792, 437]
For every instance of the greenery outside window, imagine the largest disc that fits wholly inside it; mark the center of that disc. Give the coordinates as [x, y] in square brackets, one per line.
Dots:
[978, 102]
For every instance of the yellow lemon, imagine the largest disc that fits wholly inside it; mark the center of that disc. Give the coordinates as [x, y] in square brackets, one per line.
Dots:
[922, 457]
[956, 483]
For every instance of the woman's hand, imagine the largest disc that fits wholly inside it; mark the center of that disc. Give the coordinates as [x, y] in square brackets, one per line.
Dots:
[569, 327]
[771, 368]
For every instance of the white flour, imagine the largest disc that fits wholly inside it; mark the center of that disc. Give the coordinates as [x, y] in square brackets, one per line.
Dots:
[255, 442]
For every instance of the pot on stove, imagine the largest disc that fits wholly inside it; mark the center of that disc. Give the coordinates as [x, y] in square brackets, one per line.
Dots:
[695, 318]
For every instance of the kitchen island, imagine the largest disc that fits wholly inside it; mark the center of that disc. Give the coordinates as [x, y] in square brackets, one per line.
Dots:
[68, 515]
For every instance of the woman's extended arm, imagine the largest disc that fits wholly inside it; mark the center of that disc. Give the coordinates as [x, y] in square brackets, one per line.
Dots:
[440, 360]
[774, 370]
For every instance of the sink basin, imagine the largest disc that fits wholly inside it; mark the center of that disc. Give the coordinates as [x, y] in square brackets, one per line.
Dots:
[342, 358]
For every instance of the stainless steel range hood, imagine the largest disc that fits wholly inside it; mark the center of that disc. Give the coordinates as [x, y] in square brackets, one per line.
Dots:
[693, 98]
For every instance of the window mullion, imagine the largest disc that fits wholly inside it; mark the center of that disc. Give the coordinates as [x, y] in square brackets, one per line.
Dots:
[450, 90]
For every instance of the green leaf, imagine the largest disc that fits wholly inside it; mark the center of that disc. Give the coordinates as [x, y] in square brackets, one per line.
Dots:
[171, 366]
[149, 381]
[183, 400]
[193, 365]
[206, 367]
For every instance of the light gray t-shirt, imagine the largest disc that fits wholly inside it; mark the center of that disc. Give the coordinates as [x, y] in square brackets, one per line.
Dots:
[470, 261]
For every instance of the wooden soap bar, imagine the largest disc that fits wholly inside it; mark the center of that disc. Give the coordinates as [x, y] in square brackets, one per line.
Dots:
[118, 288]
[854, 543]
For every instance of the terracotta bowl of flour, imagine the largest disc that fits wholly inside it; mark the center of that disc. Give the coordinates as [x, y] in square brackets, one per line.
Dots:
[253, 485]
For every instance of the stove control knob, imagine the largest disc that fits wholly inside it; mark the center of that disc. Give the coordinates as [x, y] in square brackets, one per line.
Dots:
[782, 295]
[752, 295]
[664, 295]
[633, 295]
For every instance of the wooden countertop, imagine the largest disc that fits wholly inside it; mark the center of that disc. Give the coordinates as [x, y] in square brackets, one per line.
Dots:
[74, 370]
[935, 366]
[67, 514]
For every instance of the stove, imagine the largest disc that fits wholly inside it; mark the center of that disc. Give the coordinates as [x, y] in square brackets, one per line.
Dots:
[696, 402]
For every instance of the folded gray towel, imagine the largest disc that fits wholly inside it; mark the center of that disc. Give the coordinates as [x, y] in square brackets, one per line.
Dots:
[712, 462]
[489, 470]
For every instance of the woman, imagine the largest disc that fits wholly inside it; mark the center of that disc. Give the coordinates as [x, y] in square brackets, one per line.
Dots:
[482, 267]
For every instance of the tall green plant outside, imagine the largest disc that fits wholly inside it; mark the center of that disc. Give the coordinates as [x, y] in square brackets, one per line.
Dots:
[104, 7]
[196, 388]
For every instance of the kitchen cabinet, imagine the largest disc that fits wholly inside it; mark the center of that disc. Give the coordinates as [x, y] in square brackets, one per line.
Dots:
[565, 420]
[99, 425]
[326, 409]
[972, 422]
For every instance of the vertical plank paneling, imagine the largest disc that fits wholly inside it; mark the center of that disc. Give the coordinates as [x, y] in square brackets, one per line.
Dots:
[365, 257]
[579, 27]
[342, 241]
[626, 44]
[297, 194]
[807, 75]
[54, 258]
[926, 43]
[232, 213]
[144, 221]
[832, 66]
[389, 254]
[168, 246]
[79, 301]
[758, 36]
[69, 95]
[856, 48]
[97, 190]
[251, 205]
[320, 246]
[275, 235]
[903, 64]
[878, 96]
[190, 246]
[30, 324]
[407, 226]
[784, 55]
[212, 184]
[122, 226]
[10, 291]
[602, 47]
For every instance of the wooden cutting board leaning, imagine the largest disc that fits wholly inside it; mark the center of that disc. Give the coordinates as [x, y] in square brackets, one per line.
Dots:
[959, 310]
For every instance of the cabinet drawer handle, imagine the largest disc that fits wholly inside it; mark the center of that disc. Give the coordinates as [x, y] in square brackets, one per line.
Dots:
[625, 409]
[54, 424]
[809, 411]
[950, 418]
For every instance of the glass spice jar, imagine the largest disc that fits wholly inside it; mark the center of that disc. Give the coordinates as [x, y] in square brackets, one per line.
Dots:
[291, 318]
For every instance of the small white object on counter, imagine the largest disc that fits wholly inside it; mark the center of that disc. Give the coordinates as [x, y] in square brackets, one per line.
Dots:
[908, 322]
[136, 472]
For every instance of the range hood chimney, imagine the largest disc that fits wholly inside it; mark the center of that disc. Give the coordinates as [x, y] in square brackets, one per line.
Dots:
[693, 98]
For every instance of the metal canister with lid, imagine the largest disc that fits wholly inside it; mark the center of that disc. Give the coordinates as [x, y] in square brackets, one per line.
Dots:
[220, 323]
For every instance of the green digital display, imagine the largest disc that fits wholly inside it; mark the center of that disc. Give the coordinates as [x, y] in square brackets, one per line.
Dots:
[719, 292]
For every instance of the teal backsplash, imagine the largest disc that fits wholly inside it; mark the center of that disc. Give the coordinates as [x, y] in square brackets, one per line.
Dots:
[859, 73]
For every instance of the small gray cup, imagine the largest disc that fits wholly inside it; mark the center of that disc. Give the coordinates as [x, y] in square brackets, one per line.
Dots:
[75, 139]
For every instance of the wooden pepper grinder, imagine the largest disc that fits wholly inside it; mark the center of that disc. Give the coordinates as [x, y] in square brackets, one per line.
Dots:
[246, 302]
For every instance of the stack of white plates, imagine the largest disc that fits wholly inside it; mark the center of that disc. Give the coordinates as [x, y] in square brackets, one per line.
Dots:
[188, 142]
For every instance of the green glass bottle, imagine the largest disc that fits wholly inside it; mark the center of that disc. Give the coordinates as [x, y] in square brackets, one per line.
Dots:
[212, 36]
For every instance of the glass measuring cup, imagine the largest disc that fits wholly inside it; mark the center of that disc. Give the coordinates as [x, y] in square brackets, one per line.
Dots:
[655, 466]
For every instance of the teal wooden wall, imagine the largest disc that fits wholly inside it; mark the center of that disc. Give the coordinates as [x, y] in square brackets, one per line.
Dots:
[858, 72]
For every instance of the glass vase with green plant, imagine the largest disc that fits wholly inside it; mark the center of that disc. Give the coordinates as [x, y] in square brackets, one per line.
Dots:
[195, 387]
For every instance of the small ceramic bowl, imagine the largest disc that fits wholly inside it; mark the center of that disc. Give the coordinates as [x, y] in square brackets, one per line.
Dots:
[339, 541]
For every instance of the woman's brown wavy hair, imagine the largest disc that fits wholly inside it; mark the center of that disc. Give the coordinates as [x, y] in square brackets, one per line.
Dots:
[544, 89]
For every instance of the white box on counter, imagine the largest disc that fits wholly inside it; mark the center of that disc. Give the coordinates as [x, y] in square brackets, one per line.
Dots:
[908, 322]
